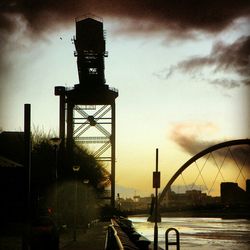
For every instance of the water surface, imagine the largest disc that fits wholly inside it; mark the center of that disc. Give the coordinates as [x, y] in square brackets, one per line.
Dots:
[200, 233]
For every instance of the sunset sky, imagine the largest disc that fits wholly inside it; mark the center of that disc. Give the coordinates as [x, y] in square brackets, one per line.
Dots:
[181, 67]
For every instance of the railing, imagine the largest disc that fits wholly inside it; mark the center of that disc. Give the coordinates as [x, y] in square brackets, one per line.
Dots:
[112, 240]
[172, 243]
[121, 235]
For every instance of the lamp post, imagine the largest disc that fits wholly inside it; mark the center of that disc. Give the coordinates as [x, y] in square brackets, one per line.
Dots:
[55, 143]
[86, 219]
[27, 156]
[76, 169]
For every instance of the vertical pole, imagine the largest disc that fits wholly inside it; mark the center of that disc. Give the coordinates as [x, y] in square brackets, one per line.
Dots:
[27, 152]
[61, 152]
[156, 207]
[75, 207]
[113, 155]
[56, 191]
[62, 117]
[70, 107]
[75, 169]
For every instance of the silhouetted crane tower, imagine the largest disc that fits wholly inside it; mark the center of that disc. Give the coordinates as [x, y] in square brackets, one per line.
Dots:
[90, 105]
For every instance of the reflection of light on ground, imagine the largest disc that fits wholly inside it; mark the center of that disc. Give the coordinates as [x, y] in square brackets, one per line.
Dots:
[199, 233]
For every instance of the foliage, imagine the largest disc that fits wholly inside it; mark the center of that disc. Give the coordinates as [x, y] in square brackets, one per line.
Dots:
[90, 169]
[59, 194]
[44, 161]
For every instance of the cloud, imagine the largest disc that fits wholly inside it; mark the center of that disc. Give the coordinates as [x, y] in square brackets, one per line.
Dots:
[189, 136]
[232, 57]
[178, 16]
[224, 82]
[223, 57]
[176, 19]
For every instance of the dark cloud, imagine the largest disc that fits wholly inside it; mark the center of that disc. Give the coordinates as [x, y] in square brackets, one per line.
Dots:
[225, 83]
[188, 137]
[180, 16]
[223, 57]
[177, 19]
[234, 57]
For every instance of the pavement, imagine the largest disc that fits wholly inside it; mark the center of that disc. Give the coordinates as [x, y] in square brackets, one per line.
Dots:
[91, 239]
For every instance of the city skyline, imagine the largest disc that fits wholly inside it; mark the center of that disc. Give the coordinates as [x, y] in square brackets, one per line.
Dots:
[183, 83]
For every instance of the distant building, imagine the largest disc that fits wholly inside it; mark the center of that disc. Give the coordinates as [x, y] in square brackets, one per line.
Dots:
[126, 204]
[232, 194]
[12, 190]
[248, 187]
[12, 146]
[13, 194]
[137, 203]
[189, 198]
[143, 203]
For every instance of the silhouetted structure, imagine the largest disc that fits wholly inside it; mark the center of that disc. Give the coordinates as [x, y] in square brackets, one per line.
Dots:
[90, 105]
[191, 198]
[248, 187]
[12, 146]
[12, 176]
[193, 159]
[12, 190]
[232, 194]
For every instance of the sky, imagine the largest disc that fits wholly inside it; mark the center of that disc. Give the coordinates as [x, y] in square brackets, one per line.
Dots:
[181, 67]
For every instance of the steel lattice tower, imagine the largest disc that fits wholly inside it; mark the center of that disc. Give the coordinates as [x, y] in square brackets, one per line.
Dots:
[90, 105]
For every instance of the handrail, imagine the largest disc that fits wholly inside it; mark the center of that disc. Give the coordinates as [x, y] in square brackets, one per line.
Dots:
[110, 242]
[118, 241]
[173, 243]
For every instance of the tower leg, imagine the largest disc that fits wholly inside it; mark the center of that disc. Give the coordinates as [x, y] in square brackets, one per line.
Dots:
[61, 152]
[113, 156]
[69, 142]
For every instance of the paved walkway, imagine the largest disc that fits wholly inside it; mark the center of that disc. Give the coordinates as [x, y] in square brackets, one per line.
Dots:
[93, 239]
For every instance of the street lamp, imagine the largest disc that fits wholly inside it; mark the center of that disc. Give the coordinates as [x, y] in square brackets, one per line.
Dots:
[55, 142]
[76, 169]
[85, 181]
